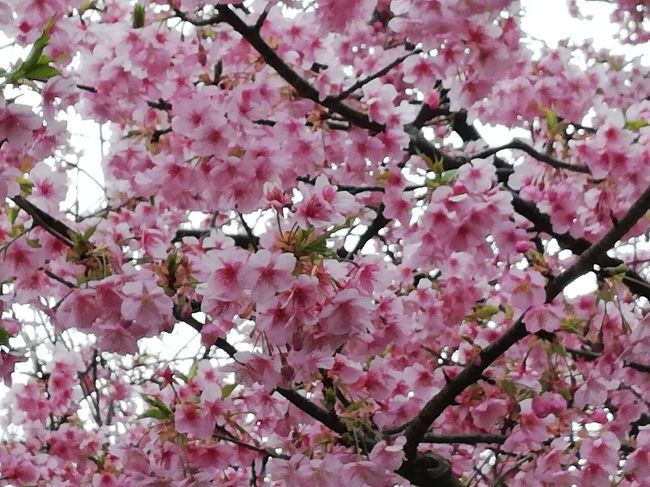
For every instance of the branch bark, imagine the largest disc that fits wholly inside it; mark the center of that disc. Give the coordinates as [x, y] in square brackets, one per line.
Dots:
[416, 429]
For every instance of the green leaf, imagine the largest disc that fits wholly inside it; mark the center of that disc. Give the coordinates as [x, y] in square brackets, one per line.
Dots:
[193, 370]
[636, 124]
[4, 336]
[572, 324]
[558, 349]
[12, 213]
[35, 244]
[620, 269]
[448, 176]
[552, 120]
[155, 413]
[41, 72]
[485, 311]
[90, 232]
[227, 390]
[156, 404]
[508, 387]
[36, 66]
[138, 16]
[329, 399]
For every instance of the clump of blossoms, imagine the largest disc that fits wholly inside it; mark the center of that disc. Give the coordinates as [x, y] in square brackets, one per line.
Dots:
[380, 296]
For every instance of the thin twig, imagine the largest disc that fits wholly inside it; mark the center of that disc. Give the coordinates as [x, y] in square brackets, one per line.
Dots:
[521, 145]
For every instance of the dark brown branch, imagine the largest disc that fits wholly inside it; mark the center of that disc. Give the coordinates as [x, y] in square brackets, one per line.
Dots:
[197, 325]
[54, 227]
[419, 144]
[416, 429]
[475, 439]
[243, 241]
[589, 355]
[155, 137]
[260, 20]
[521, 145]
[160, 104]
[304, 89]
[249, 232]
[594, 253]
[373, 229]
[59, 279]
[198, 22]
[635, 283]
[90, 89]
[385, 70]
[225, 435]
[323, 416]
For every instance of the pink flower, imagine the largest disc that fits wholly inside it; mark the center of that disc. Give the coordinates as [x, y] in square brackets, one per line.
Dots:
[22, 260]
[49, 187]
[146, 304]
[7, 363]
[342, 369]
[79, 310]
[227, 279]
[212, 138]
[269, 273]
[530, 432]
[191, 115]
[602, 450]
[190, 419]
[638, 462]
[478, 176]
[154, 243]
[489, 413]
[549, 403]
[323, 204]
[544, 317]
[379, 100]
[348, 312]
[389, 457]
[524, 288]
[592, 392]
[17, 124]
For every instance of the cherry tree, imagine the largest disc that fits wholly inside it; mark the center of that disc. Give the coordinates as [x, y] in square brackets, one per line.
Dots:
[379, 292]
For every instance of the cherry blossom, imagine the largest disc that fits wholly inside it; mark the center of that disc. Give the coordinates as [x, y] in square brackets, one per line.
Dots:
[305, 262]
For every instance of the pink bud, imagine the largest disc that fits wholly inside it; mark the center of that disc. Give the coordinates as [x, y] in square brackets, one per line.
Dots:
[523, 246]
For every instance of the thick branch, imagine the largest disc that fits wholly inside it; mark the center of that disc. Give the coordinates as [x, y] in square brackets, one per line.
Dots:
[592, 255]
[635, 283]
[304, 89]
[373, 229]
[54, 227]
[416, 429]
[323, 416]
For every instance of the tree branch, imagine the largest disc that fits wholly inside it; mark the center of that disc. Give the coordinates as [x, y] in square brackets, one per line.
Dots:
[304, 89]
[385, 70]
[475, 439]
[521, 145]
[328, 419]
[373, 229]
[416, 429]
[220, 343]
[54, 227]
